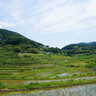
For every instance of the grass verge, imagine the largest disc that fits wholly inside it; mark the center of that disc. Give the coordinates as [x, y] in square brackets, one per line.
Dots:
[43, 85]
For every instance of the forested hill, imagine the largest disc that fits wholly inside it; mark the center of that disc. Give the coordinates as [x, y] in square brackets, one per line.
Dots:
[14, 41]
[80, 48]
[12, 38]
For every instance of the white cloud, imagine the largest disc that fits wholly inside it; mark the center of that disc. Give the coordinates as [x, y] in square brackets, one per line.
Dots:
[91, 8]
[1, 3]
[6, 24]
[12, 11]
[22, 22]
[51, 15]
[69, 16]
[74, 18]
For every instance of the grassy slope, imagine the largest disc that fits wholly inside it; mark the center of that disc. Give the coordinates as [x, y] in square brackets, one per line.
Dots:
[13, 76]
[40, 66]
[13, 38]
[26, 66]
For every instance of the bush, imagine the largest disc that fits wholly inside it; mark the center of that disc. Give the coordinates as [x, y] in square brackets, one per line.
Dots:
[17, 49]
[2, 85]
[70, 66]
[32, 50]
[74, 75]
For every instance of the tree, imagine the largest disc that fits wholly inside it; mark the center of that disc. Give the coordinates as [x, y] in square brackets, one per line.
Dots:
[32, 50]
[17, 49]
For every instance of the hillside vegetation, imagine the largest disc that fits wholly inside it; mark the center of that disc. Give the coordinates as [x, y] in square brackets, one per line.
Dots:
[24, 59]
[14, 41]
[80, 48]
[12, 38]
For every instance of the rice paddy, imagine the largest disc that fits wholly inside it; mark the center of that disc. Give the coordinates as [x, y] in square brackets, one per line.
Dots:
[17, 70]
[84, 90]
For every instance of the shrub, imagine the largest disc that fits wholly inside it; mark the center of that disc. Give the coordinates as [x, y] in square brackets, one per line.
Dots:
[2, 85]
[17, 49]
[32, 50]
[70, 66]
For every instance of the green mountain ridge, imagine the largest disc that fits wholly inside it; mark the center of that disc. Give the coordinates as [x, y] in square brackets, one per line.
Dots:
[25, 59]
[15, 39]
[12, 38]
[80, 48]
[82, 44]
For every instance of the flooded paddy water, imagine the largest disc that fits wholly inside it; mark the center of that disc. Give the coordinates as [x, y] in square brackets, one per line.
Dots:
[41, 81]
[83, 90]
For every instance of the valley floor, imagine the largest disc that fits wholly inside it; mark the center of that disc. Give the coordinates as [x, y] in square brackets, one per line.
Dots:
[30, 71]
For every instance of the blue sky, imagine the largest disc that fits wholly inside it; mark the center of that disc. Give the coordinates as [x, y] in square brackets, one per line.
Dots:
[52, 22]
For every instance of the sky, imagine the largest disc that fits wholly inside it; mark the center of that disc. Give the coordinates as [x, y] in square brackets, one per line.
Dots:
[56, 23]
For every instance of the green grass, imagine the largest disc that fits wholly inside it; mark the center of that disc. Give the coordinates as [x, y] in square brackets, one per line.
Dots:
[36, 85]
[42, 66]
[15, 69]
[56, 83]
[2, 85]
[80, 70]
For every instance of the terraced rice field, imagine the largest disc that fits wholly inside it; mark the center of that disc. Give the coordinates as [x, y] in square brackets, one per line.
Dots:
[84, 90]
